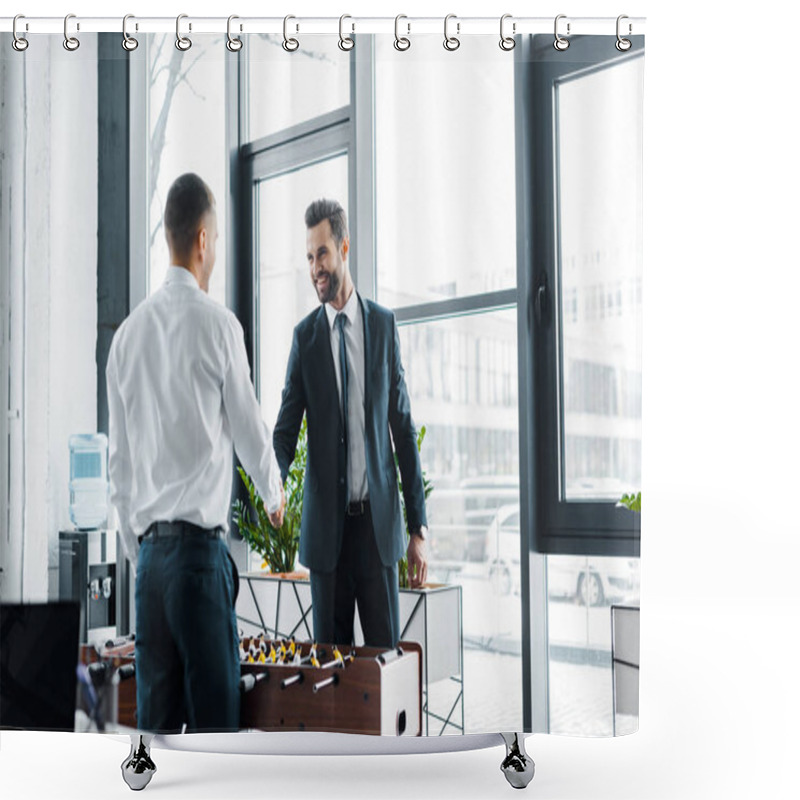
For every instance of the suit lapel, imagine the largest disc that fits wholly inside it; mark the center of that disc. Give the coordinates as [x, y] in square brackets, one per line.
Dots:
[321, 345]
[369, 333]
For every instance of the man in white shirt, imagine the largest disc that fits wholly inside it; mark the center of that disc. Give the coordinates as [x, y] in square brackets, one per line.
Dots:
[180, 395]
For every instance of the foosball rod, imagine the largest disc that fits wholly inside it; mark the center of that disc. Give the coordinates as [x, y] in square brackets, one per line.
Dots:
[248, 682]
[297, 678]
[337, 662]
[332, 681]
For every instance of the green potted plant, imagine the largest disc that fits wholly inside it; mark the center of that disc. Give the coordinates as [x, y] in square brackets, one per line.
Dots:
[277, 546]
[633, 502]
[428, 488]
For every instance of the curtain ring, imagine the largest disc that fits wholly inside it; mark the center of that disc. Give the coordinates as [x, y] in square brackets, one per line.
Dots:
[234, 43]
[507, 42]
[561, 43]
[451, 42]
[183, 43]
[20, 43]
[70, 42]
[345, 42]
[401, 43]
[128, 42]
[623, 44]
[289, 44]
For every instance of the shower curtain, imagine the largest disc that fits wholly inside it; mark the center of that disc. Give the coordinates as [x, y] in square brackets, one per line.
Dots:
[492, 195]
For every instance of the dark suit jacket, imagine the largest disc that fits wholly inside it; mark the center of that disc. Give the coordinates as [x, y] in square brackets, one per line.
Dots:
[311, 388]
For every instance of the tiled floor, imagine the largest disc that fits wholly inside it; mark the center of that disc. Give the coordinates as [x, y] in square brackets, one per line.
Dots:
[580, 696]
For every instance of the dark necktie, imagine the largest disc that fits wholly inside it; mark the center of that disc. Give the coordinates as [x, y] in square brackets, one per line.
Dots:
[341, 318]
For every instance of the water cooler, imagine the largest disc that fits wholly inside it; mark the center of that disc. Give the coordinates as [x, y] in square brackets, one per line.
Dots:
[87, 557]
[87, 573]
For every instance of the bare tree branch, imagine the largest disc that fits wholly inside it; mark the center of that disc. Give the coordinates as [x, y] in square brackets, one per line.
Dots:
[158, 136]
[168, 67]
[184, 79]
[156, 57]
[154, 232]
[199, 55]
[277, 41]
[156, 73]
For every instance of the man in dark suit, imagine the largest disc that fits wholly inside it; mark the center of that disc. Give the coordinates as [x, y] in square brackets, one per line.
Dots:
[346, 375]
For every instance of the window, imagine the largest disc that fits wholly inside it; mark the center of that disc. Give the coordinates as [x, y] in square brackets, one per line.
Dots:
[285, 293]
[599, 202]
[580, 590]
[185, 96]
[286, 89]
[445, 186]
[298, 151]
[436, 147]
[582, 119]
[581, 404]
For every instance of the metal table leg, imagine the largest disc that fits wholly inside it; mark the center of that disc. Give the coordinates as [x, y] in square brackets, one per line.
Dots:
[517, 766]
[138, 768]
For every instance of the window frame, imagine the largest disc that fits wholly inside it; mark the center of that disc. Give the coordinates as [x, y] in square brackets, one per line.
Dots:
[313, 142]
[557, 526]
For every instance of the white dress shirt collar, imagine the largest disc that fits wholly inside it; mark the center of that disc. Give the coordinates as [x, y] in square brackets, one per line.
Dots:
[350, 310]
[182, 276]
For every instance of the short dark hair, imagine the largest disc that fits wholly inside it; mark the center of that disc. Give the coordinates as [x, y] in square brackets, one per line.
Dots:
[332, 211]
[188, 201]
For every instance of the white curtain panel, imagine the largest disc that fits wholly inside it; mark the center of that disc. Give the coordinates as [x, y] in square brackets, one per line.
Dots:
[493, 203]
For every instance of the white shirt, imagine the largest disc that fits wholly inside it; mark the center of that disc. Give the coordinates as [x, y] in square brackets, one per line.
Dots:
[354, 344]
[179, 394]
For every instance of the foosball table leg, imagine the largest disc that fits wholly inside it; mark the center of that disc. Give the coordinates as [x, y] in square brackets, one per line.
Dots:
[138, 768]
[517, 766]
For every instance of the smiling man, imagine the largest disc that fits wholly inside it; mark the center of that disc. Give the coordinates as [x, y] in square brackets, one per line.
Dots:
[346, 375]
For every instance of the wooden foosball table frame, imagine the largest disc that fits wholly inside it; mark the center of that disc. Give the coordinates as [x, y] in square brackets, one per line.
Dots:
[373, 691]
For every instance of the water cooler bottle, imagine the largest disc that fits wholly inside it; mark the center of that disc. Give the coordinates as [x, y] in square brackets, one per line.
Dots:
[87, 557]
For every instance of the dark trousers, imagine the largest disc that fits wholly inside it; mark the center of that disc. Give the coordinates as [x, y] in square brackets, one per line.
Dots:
[360, 578]
[187, 648]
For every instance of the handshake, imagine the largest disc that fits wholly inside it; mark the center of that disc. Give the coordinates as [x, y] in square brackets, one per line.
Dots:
[276, 517]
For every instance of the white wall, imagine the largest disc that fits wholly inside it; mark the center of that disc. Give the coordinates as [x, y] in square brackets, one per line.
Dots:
[12, 192]
[50, 180]
[5, 244]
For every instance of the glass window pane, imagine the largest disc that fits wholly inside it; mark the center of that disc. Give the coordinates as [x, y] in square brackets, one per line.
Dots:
[445, 170]
[580, 591]
[186, 95]
[285, 293]
[600, 279]
[289, 88]
[462, 378]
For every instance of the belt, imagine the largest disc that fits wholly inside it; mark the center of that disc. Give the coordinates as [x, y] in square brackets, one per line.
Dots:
[179, 527]
[357, 508]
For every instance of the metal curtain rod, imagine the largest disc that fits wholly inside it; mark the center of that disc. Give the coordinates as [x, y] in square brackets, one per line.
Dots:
[462, 26]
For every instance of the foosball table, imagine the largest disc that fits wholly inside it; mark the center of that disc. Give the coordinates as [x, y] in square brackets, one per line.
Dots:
[309, 687]
[289, 686]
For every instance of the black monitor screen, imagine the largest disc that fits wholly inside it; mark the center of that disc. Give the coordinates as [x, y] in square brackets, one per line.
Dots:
[38, 661]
